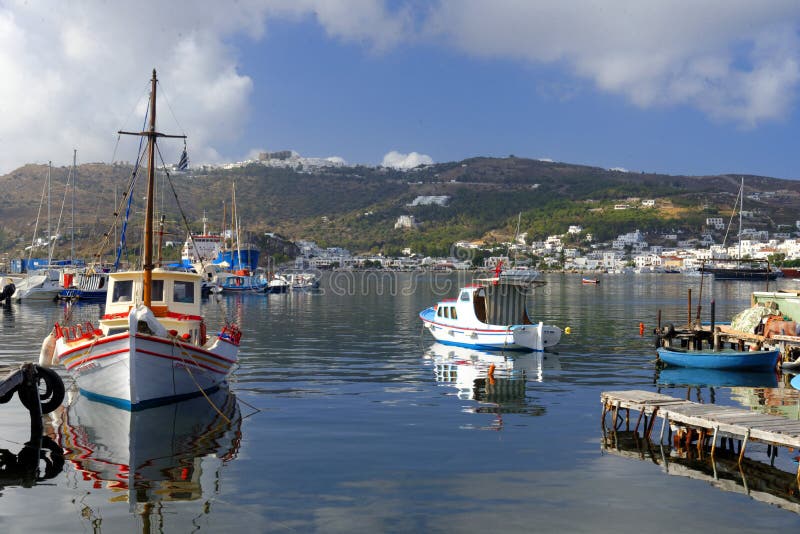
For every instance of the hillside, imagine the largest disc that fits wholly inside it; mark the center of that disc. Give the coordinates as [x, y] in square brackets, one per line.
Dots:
[356, 207]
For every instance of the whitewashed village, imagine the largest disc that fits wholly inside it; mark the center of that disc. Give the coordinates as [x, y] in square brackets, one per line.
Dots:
[630, 252]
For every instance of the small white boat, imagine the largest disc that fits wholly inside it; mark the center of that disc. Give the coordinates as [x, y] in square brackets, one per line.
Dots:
[490, 314]
[39, 285]
[151, 346]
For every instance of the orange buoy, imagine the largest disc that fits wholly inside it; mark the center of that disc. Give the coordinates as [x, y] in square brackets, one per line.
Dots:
[641, 329]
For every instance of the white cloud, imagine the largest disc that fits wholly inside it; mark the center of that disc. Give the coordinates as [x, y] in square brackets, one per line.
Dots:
[74, 72]
[396, 160]
[732, 59]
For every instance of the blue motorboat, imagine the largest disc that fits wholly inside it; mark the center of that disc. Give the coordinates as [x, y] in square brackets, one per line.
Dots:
[719, 359]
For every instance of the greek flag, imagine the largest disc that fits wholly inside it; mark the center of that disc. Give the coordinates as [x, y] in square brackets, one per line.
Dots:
[183, 164]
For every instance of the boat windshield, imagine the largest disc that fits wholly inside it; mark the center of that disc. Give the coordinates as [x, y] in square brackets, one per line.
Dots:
[123, 291]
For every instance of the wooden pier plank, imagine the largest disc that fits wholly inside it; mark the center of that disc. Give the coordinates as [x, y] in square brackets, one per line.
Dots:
[729, 421]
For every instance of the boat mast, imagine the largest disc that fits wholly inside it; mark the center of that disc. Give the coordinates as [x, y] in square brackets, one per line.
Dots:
[49, 235]
[72, 232]
[741, 207]
[151, 135]
[148, 215]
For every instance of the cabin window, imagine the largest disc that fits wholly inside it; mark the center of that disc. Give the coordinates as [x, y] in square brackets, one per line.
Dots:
[465, 295]
[123, 291]
[453, 314]
[447, 312]
[183, 292]
[440, 312]
[157, 290]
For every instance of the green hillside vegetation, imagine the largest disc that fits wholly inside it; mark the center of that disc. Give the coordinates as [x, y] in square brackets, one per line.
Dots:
[357, 207]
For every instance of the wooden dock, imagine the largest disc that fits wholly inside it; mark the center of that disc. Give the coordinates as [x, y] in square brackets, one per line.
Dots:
[692, 420]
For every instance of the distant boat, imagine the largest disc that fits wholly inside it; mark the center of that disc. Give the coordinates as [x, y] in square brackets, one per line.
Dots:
[43, 284]
[243, 281]
[590, 281]
[745, 271]
[738, 268]
[719, 359]
[491, 315]
[790, 272]
[86, 287]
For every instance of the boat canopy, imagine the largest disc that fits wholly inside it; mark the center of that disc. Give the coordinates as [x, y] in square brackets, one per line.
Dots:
[504, 303]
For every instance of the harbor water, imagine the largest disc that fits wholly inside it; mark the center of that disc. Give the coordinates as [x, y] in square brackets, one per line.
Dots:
[345, 416]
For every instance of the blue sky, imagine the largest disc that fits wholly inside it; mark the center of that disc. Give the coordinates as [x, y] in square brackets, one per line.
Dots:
[679, 87]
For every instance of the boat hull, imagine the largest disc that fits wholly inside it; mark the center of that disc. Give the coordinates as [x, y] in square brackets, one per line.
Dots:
[492, 337]
[722, 359]
[140, 371]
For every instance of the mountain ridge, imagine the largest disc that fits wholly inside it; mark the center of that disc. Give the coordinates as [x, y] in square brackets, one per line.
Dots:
[357, 207]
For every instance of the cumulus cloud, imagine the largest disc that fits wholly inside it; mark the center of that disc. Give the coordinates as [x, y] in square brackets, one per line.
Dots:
[74, 72]
[732, 59]
[396, 160]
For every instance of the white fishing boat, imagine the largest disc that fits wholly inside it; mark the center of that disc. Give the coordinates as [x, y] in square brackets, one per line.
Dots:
[42, 284]
[490, 314]
[151, 346]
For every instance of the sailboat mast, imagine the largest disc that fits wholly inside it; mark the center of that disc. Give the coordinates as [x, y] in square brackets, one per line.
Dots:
[72, 233]
[741, 207]
[151, 134]
[148, 217]
[49, 235]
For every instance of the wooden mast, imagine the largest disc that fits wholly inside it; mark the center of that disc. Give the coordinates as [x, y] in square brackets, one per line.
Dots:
[148, 215]
[151, 135]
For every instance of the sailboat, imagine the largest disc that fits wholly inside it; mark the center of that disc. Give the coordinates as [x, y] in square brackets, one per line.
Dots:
[43, 283]
[738, 268]
[151, 346]
[518, 273]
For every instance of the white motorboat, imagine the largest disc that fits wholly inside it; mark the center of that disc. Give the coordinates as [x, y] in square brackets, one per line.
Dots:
[490, 314]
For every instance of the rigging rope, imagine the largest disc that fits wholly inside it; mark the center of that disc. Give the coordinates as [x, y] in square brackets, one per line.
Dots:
[36, 227]
[228, 319]
[127, 196]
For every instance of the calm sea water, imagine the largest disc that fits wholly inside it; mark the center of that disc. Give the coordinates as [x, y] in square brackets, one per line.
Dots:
[347, 417]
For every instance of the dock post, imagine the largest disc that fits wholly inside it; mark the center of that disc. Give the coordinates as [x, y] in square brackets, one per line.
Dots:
[639, 420]
[652, 420]
[714, 441]
[744, 445]
[689, 316]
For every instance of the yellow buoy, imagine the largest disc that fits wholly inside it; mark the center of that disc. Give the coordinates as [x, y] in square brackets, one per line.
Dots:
[568, 330]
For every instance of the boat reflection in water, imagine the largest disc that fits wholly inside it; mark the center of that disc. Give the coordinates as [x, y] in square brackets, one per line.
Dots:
[689, 376]
[757, 390]
[496, 380]
[167, 453]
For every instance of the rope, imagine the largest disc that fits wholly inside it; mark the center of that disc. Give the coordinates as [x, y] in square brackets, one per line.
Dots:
[199, 387]
[227, 316]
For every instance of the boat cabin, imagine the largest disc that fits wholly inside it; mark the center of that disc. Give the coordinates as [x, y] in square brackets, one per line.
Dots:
[175, 302]
[500, 304]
